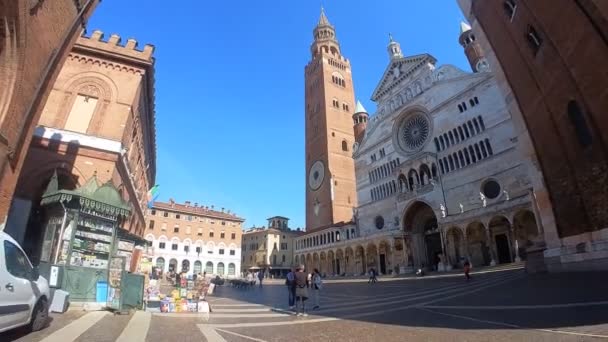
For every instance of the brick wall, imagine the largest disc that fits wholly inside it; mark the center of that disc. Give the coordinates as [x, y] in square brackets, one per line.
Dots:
[43, 34]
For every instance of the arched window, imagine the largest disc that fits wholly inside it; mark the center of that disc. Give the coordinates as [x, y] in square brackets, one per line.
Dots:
[455, 132]
[347, 234]
[160, 263]
[466, 156]
[466, 131]
[456, 160]
[451, 137]
[198, 267]
[461, 158]
[577, 119]
[483, 126]
[447, 141]
[220, 268]
[470, 125]
[476, 124]
[344, 145]
[232, 268]
[436, 144]
[441, 166]
[461, 133]
[434, 170]
[477, 152]
[472, 153]
[489, 147]
[484, 152]
[442, 142]
[451, 162]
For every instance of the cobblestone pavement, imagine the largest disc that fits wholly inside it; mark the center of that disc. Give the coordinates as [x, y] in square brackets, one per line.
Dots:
[506, 305]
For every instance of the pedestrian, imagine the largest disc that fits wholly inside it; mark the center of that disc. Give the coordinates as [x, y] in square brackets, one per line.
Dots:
[375, 275]
[371, 275]
[250, 279]
[467, 270]
[260, 277]
[291, 288]
[317, 285]
[302, 284]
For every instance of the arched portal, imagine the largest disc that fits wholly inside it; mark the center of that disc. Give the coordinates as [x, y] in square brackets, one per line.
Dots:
[340, 265]
[372, 257]
[173, 265]
[185, 265]
[331, 262]
[499, 239]
[455, 246]
[198, 267]
[420, 221]
[385, 257]
[323, 263]
[360, 263]
[477, 244]
[525, 231]
[349, 260]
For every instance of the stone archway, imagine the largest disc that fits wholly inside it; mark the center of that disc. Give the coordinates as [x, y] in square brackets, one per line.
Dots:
[360, 262]
[500, 240]
[340, 262]
[525, 231]
[323, 262]
[331, 262]
[372, 259]
[421, 223]
[315, 262]
[385, 255]
[308, 263]
[455, 246]
[349, 260]
[477, 244]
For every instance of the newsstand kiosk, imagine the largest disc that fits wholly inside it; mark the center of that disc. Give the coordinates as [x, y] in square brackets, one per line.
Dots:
[82, 247]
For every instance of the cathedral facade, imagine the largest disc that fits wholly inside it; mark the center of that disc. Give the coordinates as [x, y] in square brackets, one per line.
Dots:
[439, 180]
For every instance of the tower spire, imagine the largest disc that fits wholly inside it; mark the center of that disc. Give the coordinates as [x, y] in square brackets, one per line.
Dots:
[323, 18]
[394, 48]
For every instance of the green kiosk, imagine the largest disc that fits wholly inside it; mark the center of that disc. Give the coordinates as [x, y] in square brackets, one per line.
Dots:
[85, 251]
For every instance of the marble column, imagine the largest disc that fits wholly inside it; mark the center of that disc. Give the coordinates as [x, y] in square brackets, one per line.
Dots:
[492, 246]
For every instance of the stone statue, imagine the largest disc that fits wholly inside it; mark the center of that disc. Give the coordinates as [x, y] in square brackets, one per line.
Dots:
[482, 197]
[461, 208]
[408, 94]
[443, 211]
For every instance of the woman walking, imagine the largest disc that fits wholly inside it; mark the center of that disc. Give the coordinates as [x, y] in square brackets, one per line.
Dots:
[317, 284]
[301, 291]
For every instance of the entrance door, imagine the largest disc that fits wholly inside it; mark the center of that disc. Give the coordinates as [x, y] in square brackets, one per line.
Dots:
[382, 264]
[433, 248]
[502, 249]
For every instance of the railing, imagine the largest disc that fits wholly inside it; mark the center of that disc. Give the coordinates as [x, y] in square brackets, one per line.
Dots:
[416, 192]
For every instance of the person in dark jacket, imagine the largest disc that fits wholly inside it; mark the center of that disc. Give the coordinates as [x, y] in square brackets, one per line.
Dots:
[301, 280]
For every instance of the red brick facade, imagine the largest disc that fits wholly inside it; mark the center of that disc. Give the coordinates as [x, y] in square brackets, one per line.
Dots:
[554, 53]
[35, 38]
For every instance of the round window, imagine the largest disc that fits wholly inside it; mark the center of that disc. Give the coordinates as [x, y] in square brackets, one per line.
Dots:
[379, 222]
[412, 132]
[491, 189]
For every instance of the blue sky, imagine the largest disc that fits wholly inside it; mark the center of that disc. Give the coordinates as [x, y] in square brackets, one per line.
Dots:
[230, 86]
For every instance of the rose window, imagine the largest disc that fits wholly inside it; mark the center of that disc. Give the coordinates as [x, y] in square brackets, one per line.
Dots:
[414, 132]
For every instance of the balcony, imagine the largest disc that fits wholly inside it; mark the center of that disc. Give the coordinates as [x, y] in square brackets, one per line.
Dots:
[418, 190]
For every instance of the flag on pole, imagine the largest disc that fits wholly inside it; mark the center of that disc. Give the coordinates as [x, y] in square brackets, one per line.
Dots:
[152, 195]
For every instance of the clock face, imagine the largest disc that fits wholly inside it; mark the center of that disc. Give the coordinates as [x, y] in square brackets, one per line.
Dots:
[482, 65]
[316, 175]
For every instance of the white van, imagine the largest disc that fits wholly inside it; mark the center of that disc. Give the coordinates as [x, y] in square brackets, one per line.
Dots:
[24, 294]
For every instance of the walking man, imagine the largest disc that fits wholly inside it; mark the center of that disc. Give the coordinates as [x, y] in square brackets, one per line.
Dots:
[290, 281]
[261, 277]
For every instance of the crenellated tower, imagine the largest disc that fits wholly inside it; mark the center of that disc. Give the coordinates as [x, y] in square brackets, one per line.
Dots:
[330, 101]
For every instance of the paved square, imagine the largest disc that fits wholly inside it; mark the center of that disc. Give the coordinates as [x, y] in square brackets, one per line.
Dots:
[506, 305]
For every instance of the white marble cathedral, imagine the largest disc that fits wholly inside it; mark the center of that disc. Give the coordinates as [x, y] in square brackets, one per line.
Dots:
[438, 175]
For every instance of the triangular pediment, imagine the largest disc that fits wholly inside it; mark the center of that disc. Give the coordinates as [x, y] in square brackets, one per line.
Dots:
[399, 70]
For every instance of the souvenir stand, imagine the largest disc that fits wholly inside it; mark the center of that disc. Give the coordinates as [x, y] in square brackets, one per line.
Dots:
[79, 246]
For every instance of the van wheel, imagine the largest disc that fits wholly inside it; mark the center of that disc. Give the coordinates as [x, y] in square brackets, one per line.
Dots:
[40, 315]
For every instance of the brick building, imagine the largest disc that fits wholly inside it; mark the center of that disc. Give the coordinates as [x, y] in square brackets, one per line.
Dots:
[99, 119]
[35, 39]
[270, 249]
[194, 238]
[549, 57]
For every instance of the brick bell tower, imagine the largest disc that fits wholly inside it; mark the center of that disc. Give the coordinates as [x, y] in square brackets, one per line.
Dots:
[329, 99]
[472, 49]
